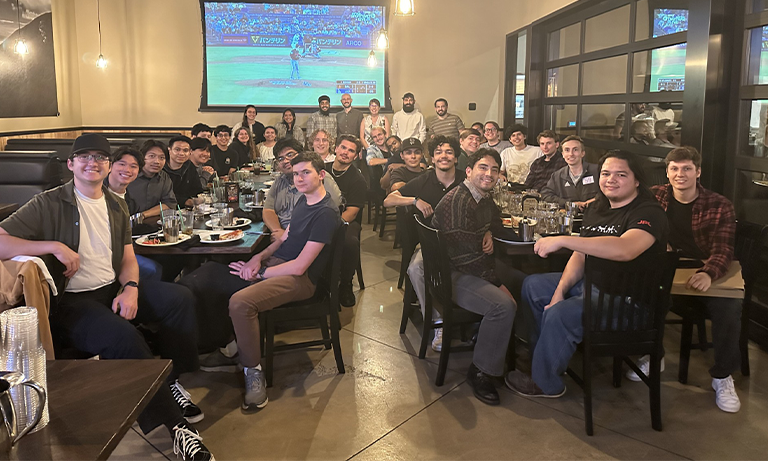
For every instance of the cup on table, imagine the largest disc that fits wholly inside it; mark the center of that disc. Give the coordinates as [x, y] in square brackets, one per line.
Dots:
[171, 227]
[219, 194]
[246, 201]
[187, 221]
[227, 216]
[526, 229]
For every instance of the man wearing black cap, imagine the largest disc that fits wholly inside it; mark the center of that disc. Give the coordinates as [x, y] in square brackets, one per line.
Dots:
[412, 154]
[82, 233]
[322, 119]
[409, 122]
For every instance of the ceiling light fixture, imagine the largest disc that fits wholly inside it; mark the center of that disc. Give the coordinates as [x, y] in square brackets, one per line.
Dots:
[101, 62]
[372, 59]
[20, 47]
[404, 8]
[382, 42]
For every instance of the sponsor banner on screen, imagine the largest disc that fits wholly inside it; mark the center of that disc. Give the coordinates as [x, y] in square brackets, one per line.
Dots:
[233, 40]
[341, 42]
[270, 40]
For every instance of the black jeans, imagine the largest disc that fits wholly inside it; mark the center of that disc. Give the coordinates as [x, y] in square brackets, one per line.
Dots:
[87, 323]
[351, 258]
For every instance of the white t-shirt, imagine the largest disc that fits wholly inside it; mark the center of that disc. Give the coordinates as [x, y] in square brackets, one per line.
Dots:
[95, 248]
[266, 152]
[517, 163]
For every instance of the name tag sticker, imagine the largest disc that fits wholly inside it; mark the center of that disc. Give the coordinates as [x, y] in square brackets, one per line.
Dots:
[567, 184]
[588, 180]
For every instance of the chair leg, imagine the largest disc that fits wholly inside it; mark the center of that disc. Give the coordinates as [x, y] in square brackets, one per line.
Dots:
[407, 298]
[370, 205]
[324, 331]
[360, 281]
[617, 361]
[427, 327]
[445, 352]
[511, 352]
[686, 336]
[744, 339]
[587, 385]
[269, 350]
[655, 391]
[376, 212]
[383, 222]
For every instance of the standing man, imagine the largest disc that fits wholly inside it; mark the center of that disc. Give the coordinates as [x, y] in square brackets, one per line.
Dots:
[200, 155]
[624, 223]
[183, 173]
[223, 159]
[443, 123]
[409, 122]
[469, 140]
[543, 167]
[295, 56]
[348, 121]
[82, 233]
[153, 188]
[577, 181]
[517, 159]
[703, 226]
[466, 217]
[353, 192]
[322, 119]
[493, 139]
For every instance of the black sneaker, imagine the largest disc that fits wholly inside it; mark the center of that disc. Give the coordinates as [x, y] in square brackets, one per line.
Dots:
[216, 361]
[188, 444]
[522, 384]
[482, 386]
[346, 296]
[191, 412]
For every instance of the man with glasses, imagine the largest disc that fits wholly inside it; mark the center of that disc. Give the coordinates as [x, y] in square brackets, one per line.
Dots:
[223, 159]
[153, 188]
[493, 134]
[82, 233]
[183, 174]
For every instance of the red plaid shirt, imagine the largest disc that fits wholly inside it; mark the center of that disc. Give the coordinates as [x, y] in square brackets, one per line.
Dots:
[713, 221]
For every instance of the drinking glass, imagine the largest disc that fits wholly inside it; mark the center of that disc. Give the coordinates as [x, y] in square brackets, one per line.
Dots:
[246, 201]
[216, 221]
[171, 225]
[187, 221]
[219, 194]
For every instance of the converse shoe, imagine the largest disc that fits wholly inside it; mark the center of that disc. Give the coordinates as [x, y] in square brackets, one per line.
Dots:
[188, 444]
[725, 394]
[255, 389]
[437, 343]
[644, 364]
[217, 361]
[191, 412]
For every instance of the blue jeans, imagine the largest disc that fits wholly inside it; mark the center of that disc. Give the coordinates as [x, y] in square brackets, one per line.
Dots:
[149, 269]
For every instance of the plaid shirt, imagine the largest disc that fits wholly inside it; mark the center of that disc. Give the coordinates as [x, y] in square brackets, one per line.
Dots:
[541, 171]
[318, 121]
[713, 221]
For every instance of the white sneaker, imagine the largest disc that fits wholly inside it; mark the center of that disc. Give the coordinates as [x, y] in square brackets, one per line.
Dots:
[437, 343]
[644, 364]
[725, 395]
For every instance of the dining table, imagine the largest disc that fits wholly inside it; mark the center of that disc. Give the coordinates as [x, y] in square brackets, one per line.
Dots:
[6, 209]
[253, 236]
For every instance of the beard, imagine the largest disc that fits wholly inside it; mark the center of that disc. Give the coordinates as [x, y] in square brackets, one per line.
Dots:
[408, 107]
[325, 111]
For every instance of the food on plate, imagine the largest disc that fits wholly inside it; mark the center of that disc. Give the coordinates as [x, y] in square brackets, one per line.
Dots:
[234, 235]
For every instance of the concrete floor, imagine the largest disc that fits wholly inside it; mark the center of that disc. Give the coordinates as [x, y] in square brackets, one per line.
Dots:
[386, 406]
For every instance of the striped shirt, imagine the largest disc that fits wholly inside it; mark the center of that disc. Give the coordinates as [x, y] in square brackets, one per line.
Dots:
[450, 126]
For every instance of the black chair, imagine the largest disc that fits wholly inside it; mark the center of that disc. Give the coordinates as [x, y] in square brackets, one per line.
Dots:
[626, 319]
[437, 279]
[750, 242]
[23, 175]
[319, 307]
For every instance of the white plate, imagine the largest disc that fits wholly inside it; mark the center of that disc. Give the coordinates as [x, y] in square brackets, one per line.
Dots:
[269, 183]
[182, 238]
[254, 206]
[246, 223]
[514, 242]
[205, 237]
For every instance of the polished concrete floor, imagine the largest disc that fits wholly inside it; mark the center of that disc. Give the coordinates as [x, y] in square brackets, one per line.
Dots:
[386, 406]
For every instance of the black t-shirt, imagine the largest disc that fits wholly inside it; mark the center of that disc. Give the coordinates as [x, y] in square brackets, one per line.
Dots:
[680, 229]
[426, 187]
[222, 161]
[354, 189]
[243, 153]
[393, 159]
[311, 223]
[403, 174]
[642, 213]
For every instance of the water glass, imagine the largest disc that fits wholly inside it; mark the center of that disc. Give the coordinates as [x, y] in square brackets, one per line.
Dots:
[219, 194]
[187, 221]
[246, 201]
[171, 227]
[216, 221]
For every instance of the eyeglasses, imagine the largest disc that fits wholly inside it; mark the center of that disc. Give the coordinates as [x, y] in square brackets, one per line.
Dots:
[222, 135]
[287, 156]
[491, 129]
[98, 158]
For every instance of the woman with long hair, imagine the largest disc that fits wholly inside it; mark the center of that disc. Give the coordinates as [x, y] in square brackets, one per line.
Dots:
[244, 145]
[265, 147]
[287, 127]
[249, 121]
[371, 120]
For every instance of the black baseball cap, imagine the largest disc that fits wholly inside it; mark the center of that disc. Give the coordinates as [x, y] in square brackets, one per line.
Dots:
[411, 143]
[409, 95]
[91, 141]
[322, 98]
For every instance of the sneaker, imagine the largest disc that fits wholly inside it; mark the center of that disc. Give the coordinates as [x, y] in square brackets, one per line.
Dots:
[191, 412]
[523, 385]
[644, 364]
[255, 389]
[188, 444]
[725, 395]
[346, 296]
[218, 362]
[437, 343]
[482, 386]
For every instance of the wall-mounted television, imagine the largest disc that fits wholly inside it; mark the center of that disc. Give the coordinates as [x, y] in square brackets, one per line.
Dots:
[279, 55]
[668, 63]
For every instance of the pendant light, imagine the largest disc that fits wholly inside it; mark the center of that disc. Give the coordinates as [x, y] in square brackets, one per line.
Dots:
[404, 8]
[382, 42]
[372, 59]
[101, 62]
[20, 47]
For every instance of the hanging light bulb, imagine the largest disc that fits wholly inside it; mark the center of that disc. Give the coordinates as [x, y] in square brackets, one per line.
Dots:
[101, 63]
[382, 42]
[372, 59]
[21, 47]
[404, 8]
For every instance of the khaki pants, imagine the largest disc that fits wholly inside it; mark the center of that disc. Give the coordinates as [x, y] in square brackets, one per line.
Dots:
[245, 305]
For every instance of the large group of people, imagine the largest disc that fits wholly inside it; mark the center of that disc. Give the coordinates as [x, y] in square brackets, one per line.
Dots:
[442, 170]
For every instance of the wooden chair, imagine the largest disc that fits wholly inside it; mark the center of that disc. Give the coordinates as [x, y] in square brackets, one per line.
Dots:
[319, 307]
[750, 242]
[626, 319]
[437, 279]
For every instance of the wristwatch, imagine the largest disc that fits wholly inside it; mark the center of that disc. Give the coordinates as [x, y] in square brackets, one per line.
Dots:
[261, 272]
[131, 283]
[415, 201]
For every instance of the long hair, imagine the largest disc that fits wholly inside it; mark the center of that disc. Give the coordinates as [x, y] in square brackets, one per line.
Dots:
[245, 117]
[633, 161]
[287, 126]
[250, 147]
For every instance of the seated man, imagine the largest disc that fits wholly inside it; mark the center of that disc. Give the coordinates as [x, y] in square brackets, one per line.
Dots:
[82, 233]
[201, 130]
[469, 140]
[394, 161]
[200, 155]
[184, 176]
[703, 226]
[153, 188]
[224, 159]
[624, 222]
[378, 152]
[543, 167]
[288, 270]
[466, 216]
[320, 143]
[353, 192]
[576, 182]
[517, 159]
[493, 135]
[412, 154]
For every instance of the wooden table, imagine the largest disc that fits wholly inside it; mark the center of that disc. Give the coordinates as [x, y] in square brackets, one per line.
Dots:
[731, 285]
[92, 404]
[6, 209]
[245, 246]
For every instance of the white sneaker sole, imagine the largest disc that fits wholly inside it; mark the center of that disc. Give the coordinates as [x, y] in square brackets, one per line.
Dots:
[195, 419]
[259, 406]
[632, 376]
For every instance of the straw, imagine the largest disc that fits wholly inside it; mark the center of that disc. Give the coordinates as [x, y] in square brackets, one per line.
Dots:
[181, 216]
[161, 212]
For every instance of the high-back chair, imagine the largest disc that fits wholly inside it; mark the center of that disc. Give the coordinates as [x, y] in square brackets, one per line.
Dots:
[626, 318]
